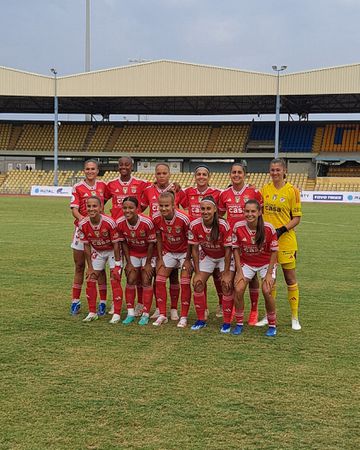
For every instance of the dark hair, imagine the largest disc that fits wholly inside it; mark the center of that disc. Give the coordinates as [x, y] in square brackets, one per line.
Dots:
[202, 166]
[162, 164]
[93, 161]
[260, 229]
[280, 161]
[242, 164]
[131, 199]
[215, 229]
[128, 158]
[94, 197]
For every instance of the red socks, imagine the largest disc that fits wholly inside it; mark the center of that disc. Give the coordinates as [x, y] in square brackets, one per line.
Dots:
[161, 295]
[130, 294]
[200, 304]
[254, 299]
[174, 295]
[271, 317]
[147, 298]
[76, 291]
[227, 307]
[239, 316]
[102, 292]
[185, 296]
[91, 294]
[117, 293]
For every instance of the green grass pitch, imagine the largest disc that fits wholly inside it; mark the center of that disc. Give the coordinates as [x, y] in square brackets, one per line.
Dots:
[69, 385]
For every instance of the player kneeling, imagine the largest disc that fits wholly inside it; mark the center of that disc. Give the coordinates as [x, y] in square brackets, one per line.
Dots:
[255, 251]
[213, 235]
[101, 245]
[138, 238]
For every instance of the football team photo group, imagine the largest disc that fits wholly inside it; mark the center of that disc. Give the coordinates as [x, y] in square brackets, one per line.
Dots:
[242, 237]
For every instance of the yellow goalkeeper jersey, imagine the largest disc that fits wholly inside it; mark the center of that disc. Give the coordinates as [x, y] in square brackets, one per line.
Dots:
[280, 206]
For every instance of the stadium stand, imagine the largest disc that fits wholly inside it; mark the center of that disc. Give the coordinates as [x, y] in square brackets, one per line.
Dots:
[293, 136]
[337, 184]
[341, 137]
[20, 181]
[339, 171]
[5, 132]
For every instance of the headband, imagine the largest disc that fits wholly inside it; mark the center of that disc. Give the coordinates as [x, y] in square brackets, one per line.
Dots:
[202, 167]
[208, 200]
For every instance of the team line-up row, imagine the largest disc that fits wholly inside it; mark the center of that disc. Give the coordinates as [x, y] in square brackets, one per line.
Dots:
[257, 235]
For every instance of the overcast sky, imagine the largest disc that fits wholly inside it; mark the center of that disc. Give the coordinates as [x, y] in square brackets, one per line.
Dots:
[304, 34]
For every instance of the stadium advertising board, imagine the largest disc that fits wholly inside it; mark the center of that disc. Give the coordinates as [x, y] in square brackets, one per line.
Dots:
[330, 197]
[51, 191]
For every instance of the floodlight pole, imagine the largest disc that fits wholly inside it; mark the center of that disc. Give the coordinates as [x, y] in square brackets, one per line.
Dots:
[56, 124]
[277, 108]
[87, 46]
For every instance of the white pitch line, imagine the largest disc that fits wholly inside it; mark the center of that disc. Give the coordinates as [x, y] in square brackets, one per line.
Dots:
[322, 223]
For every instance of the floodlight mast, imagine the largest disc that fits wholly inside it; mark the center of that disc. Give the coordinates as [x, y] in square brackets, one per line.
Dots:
[277, 108]
[56, 124]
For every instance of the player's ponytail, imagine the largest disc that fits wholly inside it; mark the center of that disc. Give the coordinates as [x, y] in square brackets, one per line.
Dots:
[260, 228]
[215, 228]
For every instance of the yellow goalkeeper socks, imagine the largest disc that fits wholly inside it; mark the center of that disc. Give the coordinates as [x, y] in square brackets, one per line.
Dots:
[293, 298]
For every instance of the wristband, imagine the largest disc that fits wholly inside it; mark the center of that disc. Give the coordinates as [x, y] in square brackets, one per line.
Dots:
[281, 230]
[118, 263]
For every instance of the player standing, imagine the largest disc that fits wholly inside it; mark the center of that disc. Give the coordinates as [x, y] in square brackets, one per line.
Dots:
[255, 251]
[120, 188]
[189, 199]
[232, 202]
[87, 188]
[171, 227]
[282, 208]
[138, 238]
[211, 240]
[101, 245]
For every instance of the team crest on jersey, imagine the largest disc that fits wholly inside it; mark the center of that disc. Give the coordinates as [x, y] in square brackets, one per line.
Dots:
[208, 237]
[253, 239]
[142, 233]
[246, 199]
[178, 230]
[93, 193]
[200, 198]
[105, 233]
[133, 190]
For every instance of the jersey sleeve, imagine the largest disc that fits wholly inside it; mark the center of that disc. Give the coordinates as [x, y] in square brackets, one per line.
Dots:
[221, 204]
[295, 202]
[114, 233]
[274, 244]
[144, 200]
[82, 236]
[107, 192]
[181, 199]
[259, 197]
[156, 222]
[228, 242]
[75, 199]
[235, 238]
[151, 237]
[192, 235]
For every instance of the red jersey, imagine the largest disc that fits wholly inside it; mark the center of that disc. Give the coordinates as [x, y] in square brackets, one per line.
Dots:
[138, 236]
[117, 190]
[82, 191]
[244, 239]
[233, 202]
[174, 232]
[150, 197]
[190, 198]
[200, 234]
[101, 236]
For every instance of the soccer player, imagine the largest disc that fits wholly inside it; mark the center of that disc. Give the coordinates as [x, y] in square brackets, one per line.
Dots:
[150, 199]
[255, 251]
[120, 188]
[138, 238]
[232, 202]
[189, 199]
[87, 188]
[172, 227]
[282, 208]
[101, 245]
[213, 235]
